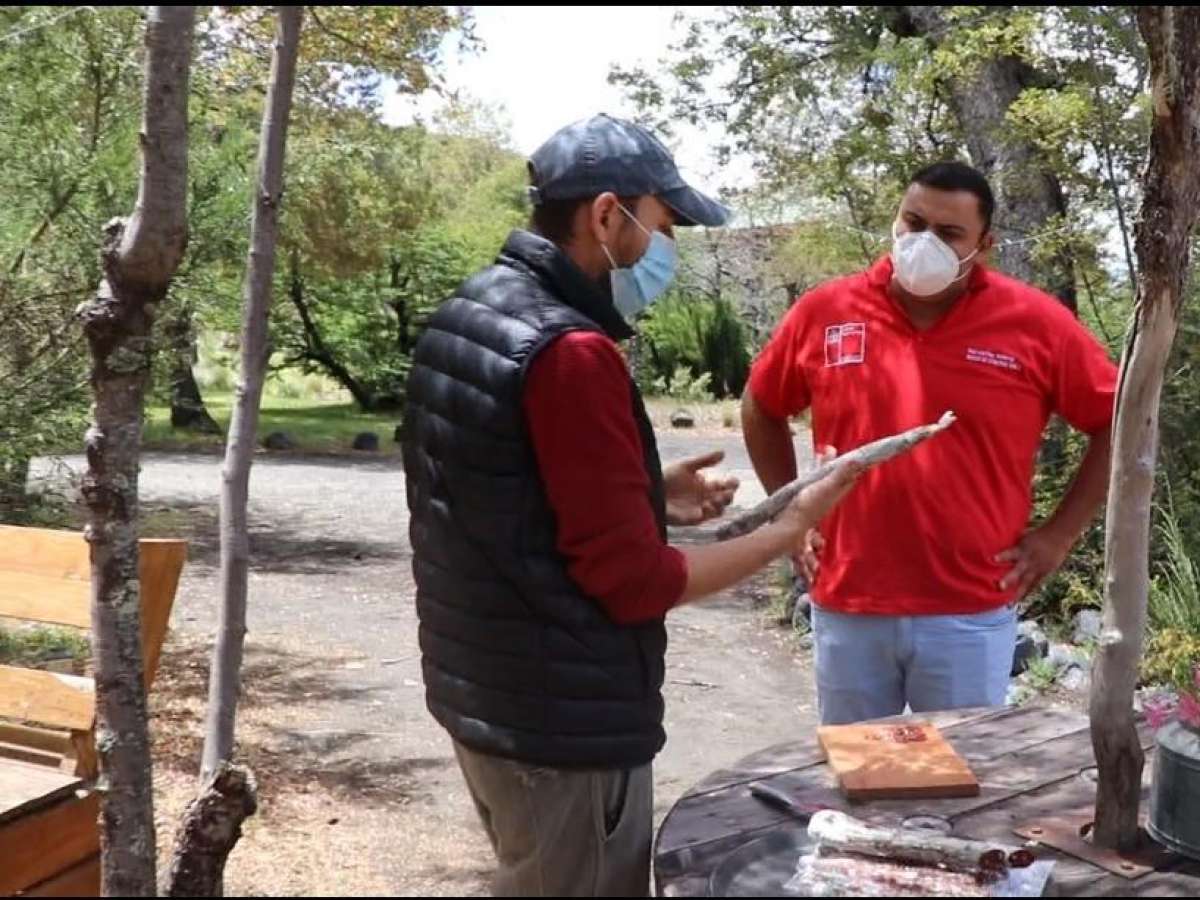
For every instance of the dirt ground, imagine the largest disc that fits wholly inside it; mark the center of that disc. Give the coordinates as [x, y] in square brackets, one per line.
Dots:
[359, 790]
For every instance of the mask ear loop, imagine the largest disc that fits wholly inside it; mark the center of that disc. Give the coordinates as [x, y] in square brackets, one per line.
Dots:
[965, 260]
[633, 219]
[621, 206]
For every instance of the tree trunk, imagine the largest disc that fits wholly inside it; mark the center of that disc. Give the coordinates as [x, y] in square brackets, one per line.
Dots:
[399, 304]
[1028, 194]
[1170, 207]
[14, 476]
[187, 405]
[212, 825]
[224, 681]
[140, 256]
[317, 352]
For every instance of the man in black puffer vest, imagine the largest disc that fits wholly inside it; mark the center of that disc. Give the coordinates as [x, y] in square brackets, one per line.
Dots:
[540, 511]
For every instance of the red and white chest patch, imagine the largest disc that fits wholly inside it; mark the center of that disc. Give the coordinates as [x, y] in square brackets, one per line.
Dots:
[845, 344]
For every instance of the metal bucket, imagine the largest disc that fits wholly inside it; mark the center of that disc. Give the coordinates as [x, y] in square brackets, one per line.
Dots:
[1175, 790]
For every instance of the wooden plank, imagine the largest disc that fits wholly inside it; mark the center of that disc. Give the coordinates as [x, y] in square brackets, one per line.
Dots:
[1005, 776]
[778, 758]
[1016, 754]
[43, 739]
[1074, 877]
[799, 754]
[43, 551]
[25, 787]
[40, 845]
[81, 880]
[45, 576]
[695, 820]
[43, 746]
[31, 755]
[160, 565]
[47, 698]
[1015, 728]
[734, 811]
[1091, 884]
[81, 758]
[880, 761]
[1001, 766]
[49, 599]
[679, 873]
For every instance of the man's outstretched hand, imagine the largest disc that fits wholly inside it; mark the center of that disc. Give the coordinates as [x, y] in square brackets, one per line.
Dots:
[694, 496]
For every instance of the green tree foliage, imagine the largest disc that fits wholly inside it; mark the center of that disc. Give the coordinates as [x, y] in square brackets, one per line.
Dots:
[67, 150]
[422, 201]
[381, 222]
[842, 104]
[839, 105]
[384, 223]
[702, 335]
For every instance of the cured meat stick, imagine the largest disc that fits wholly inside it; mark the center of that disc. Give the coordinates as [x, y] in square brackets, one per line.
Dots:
[867, 454]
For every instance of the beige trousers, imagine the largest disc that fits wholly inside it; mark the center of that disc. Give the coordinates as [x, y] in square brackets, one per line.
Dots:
[563, 832]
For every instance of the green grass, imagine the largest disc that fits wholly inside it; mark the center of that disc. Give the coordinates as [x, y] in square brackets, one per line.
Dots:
[1041, 675]
[29, 647]
[1174, 601]
[317, 426]
[778, 609]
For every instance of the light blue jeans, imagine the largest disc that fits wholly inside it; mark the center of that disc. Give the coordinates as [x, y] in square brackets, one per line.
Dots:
[869, 667]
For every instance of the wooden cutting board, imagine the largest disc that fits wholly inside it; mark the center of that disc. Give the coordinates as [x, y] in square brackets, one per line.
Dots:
[879, 762]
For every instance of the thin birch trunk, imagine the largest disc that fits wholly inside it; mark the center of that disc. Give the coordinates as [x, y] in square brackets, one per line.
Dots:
[224, 681]
[140, 255]
[1170, 207]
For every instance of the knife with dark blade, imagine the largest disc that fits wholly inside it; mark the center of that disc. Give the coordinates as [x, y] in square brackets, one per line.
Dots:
[779, 800]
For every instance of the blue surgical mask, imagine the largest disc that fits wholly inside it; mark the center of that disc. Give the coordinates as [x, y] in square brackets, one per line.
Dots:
[636, 287]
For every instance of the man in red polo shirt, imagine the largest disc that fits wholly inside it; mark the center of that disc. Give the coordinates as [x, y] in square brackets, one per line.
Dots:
[922, 565]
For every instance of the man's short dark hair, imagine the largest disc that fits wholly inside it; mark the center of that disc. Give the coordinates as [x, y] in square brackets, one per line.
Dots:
[553, 219]
[958, 176]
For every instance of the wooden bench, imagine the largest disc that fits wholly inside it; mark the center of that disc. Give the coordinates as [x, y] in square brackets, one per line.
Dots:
[49, 836]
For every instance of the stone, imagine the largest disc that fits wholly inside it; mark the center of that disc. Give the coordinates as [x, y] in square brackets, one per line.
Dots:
[802, 612]
[1062, 656]
[279, 440]
[1075, 678]
[681, 418]
[367, 441]
[1088, 624]
[1026, 650]
[1017, 694]
[1032, 630]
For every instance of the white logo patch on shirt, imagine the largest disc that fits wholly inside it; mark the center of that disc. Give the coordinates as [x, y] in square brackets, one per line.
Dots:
[845, 344]
[992, 358]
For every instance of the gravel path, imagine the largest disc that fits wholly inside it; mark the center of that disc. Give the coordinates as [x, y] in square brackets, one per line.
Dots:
[334, 707]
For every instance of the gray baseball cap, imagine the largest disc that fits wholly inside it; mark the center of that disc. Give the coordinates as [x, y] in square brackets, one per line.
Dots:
[603, 153]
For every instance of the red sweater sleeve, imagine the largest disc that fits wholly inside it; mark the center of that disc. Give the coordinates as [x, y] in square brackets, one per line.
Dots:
[577, 405]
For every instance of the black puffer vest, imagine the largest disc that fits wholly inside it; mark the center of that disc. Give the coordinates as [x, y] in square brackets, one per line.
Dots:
[518, 661]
